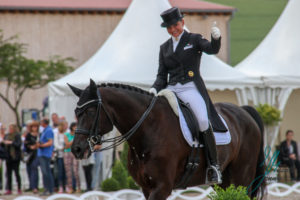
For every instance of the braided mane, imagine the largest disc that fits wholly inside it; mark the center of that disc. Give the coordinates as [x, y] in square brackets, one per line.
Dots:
[125, 87]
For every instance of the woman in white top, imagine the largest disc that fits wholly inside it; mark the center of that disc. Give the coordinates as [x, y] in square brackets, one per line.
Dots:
[59, 146]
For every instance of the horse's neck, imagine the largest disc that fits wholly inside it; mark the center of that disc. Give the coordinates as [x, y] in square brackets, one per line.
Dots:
[126, 109]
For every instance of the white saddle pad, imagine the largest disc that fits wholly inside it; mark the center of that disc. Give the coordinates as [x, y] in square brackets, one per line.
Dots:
[221, 138]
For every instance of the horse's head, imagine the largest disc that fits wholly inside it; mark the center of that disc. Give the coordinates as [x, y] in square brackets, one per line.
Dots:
[93, 120]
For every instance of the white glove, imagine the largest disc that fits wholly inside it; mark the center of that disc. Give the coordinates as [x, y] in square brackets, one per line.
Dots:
[215, 31]
[153, 91]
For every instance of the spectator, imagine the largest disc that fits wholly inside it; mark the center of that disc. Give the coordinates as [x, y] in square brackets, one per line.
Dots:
[3, 153]
[87, 165]
[2, 131]
[97, 169]
[26, 130]
[59, 145]
[13, 143]
[31, 150]
[45, 150]
[55, 120]
[66, 125]
[71, 164]
[54, 168]
[289, 154]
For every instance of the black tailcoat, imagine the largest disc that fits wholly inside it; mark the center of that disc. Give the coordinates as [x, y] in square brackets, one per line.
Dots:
[285, 151]
[183, 66]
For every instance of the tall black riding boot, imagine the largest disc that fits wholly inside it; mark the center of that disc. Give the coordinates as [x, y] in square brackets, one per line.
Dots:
[213, 174]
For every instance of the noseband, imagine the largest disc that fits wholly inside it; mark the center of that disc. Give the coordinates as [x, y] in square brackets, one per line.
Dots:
[94, 136]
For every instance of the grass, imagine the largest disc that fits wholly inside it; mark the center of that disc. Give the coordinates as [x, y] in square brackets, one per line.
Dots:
[250, 24]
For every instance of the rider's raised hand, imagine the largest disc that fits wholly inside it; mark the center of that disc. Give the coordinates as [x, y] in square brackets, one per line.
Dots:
[153, 91]
[215, 31]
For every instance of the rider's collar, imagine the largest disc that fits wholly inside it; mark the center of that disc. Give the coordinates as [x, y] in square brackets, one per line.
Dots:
[178, 38]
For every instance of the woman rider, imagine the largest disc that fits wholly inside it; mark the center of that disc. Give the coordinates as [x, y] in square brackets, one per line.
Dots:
[179, 63]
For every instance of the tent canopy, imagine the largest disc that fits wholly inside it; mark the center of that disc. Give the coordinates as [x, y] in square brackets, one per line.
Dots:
[276, 60]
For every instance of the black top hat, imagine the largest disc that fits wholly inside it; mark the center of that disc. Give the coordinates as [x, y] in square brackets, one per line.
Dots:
[171, 16]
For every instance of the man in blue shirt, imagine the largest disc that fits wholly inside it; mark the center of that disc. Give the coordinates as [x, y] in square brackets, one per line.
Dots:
[45, 150]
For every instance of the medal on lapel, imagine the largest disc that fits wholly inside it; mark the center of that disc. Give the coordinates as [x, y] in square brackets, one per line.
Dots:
[191, 73]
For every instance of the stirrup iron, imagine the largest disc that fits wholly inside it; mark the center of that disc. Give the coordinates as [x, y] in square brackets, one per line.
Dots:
[218, 173]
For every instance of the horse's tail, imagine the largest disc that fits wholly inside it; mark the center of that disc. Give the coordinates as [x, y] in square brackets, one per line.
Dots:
[259, 182]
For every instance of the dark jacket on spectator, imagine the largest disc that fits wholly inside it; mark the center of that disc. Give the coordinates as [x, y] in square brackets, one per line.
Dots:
[14, 150]
[285, 152]
[30, 140]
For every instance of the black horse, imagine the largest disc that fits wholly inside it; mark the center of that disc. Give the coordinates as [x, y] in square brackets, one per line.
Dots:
[158, 152]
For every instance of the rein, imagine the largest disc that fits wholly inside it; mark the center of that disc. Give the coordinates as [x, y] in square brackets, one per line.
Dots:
[93, 135]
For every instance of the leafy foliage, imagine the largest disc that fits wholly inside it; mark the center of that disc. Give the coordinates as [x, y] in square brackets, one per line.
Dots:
[21, 73]
[269, 114]
[124, 154]
[239, 193]
[110, 184]
[131, 183]
[120, 174]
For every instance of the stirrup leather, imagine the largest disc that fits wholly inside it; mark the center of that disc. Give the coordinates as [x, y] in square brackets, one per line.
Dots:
[217, 171]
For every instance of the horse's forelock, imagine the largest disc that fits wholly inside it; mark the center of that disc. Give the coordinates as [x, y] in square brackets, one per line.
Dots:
[87, 95]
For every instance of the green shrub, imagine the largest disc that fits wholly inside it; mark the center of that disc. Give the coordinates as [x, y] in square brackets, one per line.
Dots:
[124, 154]
[131, 183]
[110, 184]
[239, 193]
[119, 173]
[269, 114]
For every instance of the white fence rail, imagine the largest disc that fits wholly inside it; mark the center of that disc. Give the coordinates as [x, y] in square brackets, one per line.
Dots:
[283, 190]
[194, 193]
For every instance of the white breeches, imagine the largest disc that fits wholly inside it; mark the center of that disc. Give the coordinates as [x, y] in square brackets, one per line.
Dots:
[189, 93]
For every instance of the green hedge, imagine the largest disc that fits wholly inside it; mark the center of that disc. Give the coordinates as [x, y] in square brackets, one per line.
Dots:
[120, 177]
[239, 193]
[110, 184]
[131, 183]
[119, 173]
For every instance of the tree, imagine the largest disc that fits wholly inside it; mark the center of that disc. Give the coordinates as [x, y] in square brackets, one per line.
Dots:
[21, 73]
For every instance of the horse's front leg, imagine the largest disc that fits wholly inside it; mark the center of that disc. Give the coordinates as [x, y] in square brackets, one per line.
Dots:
[160, 192]
[158, 187]
[146, 193]
[161, 173]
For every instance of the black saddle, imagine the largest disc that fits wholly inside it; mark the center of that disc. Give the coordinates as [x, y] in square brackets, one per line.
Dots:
[190, 119]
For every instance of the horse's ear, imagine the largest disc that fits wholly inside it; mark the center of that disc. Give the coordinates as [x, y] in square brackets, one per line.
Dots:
[75, 90]
[93, 86]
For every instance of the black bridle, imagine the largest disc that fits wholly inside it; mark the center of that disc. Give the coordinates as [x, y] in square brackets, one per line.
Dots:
[94, 136]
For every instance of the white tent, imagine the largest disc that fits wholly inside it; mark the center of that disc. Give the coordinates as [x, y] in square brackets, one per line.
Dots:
[130, 56]
[276, 61]
[277, 58]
